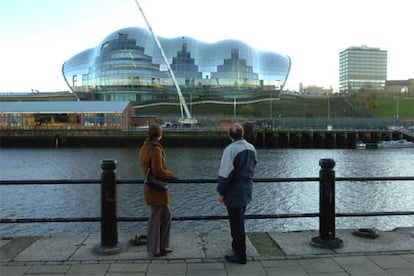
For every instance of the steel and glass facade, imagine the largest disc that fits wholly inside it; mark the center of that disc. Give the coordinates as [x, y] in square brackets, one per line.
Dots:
[362, 67]
[127, 65]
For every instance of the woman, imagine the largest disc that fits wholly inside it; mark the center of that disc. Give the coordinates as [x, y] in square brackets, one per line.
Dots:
[158, 236]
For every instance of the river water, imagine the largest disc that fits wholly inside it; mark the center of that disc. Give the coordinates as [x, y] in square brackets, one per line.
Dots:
[31, 201]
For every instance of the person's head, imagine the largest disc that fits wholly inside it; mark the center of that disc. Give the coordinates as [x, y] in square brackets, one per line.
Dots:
[236, 131]
[155, 131]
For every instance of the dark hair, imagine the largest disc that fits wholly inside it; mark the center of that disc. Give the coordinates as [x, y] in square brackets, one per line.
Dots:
[236, 131]
[154, 131]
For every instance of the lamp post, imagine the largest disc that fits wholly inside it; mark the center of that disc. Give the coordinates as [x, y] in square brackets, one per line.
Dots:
[398, 108]
[329, 107]
[234, 107]
[278, 86]
[404, 90]
[270, 107]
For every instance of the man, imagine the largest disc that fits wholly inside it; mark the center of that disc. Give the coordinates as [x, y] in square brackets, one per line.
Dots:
[235, 176]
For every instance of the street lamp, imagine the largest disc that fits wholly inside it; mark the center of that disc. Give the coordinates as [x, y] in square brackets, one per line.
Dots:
[329, 107]
[404, 90]
[278, 86]
[234, 107]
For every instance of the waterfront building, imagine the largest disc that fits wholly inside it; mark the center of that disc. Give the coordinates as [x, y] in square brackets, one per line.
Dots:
[397, 86]
[127, 66]
[65, 114]
[37, 96]
[315, 90]
[362, 67]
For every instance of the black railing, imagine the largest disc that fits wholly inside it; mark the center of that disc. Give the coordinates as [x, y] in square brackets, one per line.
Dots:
[109, 218]
[201, 180]
[206, 218]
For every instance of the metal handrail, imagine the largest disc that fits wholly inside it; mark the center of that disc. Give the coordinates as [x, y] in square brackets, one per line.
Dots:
[203, 218]
[200, 181]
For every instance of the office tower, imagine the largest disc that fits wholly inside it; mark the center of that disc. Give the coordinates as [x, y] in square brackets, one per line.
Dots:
[362, 67]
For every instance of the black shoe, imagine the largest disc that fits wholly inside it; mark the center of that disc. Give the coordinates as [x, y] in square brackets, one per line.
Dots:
[235, 259]
[166, 251]
[161, 254]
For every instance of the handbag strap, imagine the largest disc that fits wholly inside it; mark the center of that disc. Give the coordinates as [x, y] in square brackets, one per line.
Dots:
[150, 157]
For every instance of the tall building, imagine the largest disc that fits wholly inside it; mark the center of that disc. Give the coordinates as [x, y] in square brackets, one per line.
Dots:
[127, 66]
[362, 67]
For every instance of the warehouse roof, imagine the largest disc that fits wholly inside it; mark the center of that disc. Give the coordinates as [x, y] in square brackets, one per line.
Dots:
[56, 107]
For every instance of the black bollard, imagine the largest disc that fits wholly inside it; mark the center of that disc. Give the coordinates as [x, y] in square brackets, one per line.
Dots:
[109, 229]
[326, 237]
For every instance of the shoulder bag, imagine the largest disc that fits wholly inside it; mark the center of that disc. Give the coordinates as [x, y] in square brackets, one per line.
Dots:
[151, 180]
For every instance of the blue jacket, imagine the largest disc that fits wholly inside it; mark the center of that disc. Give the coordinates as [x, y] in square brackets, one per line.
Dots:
[235, 176]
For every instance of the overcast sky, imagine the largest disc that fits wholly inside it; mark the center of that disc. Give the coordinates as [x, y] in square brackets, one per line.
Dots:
[38, 36]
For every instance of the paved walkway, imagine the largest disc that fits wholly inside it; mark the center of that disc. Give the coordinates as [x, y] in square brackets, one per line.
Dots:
[273, 253]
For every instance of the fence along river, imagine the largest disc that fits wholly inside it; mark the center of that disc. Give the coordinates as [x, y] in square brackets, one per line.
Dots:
[195, 199]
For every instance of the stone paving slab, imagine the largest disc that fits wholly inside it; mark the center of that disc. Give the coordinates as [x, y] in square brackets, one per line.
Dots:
[359, 265]
[4, 241]
[49, 269]
[320, 265]
[88, 269]
[298, 243]
[184, 245]
[87, 252]
[15, 270]
[283, 267]
[249, 269]
[166, 269]
[391, 262]
[10, 248]
[128, 268]
[217, 245]
[202, 254]
[387, 241]
[52, 249]
[187, 245]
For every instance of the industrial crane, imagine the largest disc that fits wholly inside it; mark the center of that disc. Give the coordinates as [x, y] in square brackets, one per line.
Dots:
[188, 120]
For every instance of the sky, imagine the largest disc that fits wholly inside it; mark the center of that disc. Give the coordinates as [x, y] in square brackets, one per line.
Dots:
[38, 36]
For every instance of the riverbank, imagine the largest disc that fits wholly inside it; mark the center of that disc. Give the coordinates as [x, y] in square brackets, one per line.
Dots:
[202, 254]
[206, 137]
[105, 137]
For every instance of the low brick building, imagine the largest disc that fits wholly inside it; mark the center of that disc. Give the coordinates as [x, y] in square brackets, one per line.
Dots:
[66, 114]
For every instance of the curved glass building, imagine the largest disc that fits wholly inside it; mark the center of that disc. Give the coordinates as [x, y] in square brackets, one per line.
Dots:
[127, 65]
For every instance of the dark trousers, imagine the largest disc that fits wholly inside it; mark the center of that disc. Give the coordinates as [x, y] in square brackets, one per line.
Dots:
[158, 234]
[236, 217]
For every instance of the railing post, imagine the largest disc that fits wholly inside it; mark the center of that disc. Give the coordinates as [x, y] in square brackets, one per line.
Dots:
[326, 238]
[109, 229]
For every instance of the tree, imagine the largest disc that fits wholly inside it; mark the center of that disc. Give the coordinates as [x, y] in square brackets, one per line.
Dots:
[247, 110]
[365, 99]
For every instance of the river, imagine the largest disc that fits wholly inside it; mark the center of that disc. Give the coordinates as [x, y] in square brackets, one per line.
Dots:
[31, 201]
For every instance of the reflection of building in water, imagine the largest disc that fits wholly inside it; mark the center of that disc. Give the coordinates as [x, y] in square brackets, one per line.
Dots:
[128, 66]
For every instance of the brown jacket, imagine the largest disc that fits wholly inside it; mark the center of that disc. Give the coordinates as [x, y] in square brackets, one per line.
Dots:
[153, 197]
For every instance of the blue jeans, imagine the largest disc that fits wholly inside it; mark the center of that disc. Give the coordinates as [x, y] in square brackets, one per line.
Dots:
[238, 234]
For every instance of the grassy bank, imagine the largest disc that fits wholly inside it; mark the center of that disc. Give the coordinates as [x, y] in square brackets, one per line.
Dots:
[296, 106]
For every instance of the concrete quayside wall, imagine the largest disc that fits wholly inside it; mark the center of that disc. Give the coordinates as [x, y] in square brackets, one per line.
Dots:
[295, 138]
